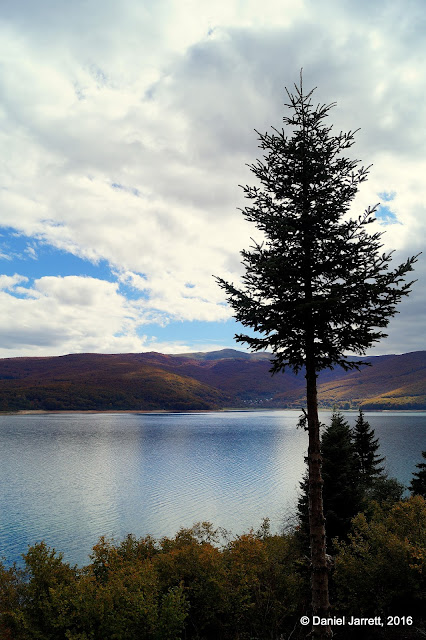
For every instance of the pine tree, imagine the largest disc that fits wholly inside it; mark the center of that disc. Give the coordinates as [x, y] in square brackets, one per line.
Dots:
[342, 492]
[366, 447]
[418, 481]
[317, 286]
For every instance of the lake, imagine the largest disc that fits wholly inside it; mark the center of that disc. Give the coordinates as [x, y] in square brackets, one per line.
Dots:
[70, 478]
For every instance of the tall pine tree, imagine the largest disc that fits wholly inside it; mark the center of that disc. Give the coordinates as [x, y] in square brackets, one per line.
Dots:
[316, 285]
[366, 447]
[342, 491]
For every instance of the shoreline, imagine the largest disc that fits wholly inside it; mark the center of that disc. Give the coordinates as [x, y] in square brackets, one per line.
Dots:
[166, 411]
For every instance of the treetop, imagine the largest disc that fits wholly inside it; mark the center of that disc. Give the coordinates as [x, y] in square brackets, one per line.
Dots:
[316, 285]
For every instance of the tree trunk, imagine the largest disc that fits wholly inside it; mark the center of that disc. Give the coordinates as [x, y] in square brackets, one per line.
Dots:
[319, 576]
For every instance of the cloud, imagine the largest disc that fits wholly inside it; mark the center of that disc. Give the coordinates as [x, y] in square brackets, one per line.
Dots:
[128, 129]
[75, 313]
[10, 282]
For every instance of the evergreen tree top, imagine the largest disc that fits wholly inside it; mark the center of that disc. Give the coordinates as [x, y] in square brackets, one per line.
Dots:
[337, 436]
[367, 446]
[318, 286]
[418, 481]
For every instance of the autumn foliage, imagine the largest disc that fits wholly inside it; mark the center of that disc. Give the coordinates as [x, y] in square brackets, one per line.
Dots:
[201, 585]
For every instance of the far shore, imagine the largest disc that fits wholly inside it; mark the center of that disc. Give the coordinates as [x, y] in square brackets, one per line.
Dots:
[228, 409]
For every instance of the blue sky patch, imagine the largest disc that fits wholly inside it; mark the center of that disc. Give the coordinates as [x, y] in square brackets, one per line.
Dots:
[132, 293]
[385, 216]
[35, 259]
[387, 196]
[200, 332]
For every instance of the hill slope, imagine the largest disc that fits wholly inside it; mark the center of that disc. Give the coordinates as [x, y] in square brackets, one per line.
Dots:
[392, 382]
[200, 381]
[100, 382]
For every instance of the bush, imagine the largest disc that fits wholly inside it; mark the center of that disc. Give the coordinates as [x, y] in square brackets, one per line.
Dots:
[199, 586]
[381, 570]
[148, 590]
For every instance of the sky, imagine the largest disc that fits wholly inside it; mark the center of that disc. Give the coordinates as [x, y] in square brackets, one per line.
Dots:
[126, 130]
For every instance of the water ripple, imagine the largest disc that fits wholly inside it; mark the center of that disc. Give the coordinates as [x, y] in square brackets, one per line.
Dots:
[71, 478]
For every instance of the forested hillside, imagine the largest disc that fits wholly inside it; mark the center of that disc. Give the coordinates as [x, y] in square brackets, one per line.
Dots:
[201, 381]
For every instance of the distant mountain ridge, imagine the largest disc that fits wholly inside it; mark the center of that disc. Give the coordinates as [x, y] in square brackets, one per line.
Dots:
[202, 381]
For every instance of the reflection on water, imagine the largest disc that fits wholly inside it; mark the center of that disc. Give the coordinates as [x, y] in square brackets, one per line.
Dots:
[71, 478]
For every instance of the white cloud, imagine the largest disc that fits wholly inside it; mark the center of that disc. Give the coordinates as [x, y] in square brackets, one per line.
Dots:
[10, 282]
[161, 99]
[75, 314]
[71, 313]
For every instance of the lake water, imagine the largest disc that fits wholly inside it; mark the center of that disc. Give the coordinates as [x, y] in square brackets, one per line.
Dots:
[70, 478]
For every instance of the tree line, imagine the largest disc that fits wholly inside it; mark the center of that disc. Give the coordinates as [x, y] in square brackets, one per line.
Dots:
[353, 476]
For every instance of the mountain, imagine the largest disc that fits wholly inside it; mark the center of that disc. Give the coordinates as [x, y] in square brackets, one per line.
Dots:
[101, 382]
[201, 381]
[392, 382]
